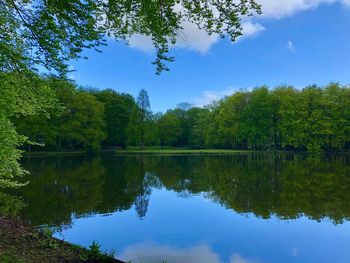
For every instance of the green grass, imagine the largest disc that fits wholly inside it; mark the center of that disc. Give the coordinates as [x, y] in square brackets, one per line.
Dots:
[176, 151]
[64, 153]
[10, 257]
[156, 150]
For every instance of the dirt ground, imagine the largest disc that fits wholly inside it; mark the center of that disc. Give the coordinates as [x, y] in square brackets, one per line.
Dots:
[21, 243]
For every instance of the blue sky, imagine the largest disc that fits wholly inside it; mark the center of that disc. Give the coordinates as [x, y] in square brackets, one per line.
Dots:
[296, 42]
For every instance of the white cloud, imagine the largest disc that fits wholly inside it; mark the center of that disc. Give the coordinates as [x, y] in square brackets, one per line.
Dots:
[193, 38]
[251, 29]
[210, 96]
[142, 43]
[346, 3]
[283, 8]
[238, 259]
[290, 45]
[198, 40]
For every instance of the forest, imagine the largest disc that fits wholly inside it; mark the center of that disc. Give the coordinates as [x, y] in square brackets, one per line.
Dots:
[285, 118]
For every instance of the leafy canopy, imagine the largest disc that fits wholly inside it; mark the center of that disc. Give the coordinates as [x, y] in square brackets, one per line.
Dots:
[49, 33]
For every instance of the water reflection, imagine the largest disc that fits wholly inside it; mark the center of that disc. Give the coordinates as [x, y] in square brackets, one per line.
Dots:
[235, 209]
[150, 253]
[286, 186]
[10, 205]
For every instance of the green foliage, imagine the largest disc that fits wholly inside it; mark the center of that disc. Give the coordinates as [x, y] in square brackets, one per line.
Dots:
[47, 240]
[47, 232]
[10, 205]
[94, 252]
[20, 94]
[77, 124]
[286, 116]
[117, 110]
[10, 257]
[256, 119]
[313, 119]
[134, 127]
[50, 33]
[162, 20]
[140, 119]
[169, 129]
[199, 130]
[9, 155]
[83, 122]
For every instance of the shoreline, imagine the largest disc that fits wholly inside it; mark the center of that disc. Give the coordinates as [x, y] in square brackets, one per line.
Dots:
[22, 243]
[169, 151]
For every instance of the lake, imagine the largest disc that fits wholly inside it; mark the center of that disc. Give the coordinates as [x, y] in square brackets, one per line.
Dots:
[205, 208]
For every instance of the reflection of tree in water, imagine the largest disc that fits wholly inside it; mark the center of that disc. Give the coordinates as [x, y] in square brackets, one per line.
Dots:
[286, 186]
[142, 199]
[10, 205]
[141, 203]
[184, 194]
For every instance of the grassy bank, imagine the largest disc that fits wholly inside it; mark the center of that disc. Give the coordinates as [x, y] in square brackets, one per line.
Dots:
[177, 151]
[21, 243]
[69, 152]
[157, 150]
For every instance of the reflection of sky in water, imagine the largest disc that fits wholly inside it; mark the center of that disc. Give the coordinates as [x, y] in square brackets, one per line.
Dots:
[177, 229]
[149, 253]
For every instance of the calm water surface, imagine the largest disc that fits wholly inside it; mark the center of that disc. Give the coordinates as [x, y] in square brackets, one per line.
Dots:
[213, 209]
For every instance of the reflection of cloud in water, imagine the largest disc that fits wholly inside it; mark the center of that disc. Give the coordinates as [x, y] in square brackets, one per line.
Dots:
[151, 253]
[295, 251]
[238, 259]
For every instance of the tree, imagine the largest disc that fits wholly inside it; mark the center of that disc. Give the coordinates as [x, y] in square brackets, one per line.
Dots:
[22, 94]
[336, 107]
[182, 120]
[152, 130]
[117, 110]
[41, 130]
[314, 124]
[257, 119]
[184, 106]
[286, 116]
[169, 129]
[84, 123]
[195, 136]
[144, 112]
[230, 120]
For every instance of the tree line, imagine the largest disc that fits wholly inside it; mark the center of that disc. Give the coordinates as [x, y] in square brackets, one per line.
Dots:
[313, 118]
